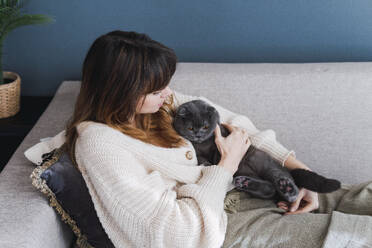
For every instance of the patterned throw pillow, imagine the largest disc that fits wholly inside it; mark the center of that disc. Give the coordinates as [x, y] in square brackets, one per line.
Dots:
[68, 194]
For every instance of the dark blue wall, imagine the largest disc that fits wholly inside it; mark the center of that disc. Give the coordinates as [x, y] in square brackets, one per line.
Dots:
[199, 31]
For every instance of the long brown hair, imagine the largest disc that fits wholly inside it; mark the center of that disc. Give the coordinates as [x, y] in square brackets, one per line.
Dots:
[120, 68]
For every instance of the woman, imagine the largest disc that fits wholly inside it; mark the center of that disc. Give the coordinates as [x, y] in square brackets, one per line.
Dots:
[143, 177]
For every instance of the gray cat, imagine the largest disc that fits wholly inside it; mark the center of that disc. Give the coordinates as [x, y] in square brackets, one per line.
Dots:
[258, 173]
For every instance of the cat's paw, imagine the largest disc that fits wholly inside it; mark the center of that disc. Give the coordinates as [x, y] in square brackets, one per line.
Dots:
[206, 163]
[287, 189]
[241, 182]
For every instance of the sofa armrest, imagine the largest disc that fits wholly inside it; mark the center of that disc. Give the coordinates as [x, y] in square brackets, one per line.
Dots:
[26, 219]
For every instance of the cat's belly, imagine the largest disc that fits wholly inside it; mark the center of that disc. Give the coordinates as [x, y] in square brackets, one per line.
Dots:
[208, 151]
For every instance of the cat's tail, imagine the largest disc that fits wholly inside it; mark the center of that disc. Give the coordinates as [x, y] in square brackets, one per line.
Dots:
[314, 182]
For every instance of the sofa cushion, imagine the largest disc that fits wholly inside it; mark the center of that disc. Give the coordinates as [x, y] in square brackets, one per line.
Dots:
[66, 190]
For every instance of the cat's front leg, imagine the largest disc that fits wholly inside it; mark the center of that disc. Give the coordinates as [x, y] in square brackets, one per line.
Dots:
[206, 163]
[254, 186]
[203, 161]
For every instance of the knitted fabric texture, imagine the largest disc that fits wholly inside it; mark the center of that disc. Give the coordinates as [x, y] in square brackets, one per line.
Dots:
[149, 196]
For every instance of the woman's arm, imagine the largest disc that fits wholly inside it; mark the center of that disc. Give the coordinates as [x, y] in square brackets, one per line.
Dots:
[293, 163]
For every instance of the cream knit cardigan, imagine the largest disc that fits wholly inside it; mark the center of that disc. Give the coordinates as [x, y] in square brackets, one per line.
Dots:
[149, 196]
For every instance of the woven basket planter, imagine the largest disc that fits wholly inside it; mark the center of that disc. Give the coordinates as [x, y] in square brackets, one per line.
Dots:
[10, 95]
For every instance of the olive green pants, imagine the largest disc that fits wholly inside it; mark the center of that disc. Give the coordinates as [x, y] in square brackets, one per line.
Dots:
[344, 219]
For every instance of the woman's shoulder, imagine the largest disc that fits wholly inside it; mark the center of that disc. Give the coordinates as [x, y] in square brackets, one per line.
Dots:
[96, 136]
[92, 127]
[90, 131]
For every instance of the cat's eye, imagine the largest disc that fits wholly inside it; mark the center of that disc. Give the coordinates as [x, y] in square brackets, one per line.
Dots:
[190, 128]
[206, 127]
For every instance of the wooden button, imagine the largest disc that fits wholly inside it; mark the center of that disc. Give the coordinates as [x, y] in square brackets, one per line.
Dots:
[189, 155]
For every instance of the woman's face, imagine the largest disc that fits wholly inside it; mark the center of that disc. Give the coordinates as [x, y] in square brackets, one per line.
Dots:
[154, 101]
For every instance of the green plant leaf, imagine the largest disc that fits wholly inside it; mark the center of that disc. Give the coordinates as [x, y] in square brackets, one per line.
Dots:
[11, 18]
[11, 3]
[27, 19]
[6, 11]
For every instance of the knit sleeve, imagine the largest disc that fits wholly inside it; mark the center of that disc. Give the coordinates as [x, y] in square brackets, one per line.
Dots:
[138, 207]
[263, 140]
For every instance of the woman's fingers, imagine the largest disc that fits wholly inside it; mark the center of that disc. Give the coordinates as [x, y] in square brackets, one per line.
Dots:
[296, 203]
[232, 128]
[217, 132]
[238, 131]
[229, 127]
[232, 147]
[306, 209]
[306, 201]
[283, 205]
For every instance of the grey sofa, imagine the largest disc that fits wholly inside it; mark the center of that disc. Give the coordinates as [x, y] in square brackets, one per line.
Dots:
[323, 111]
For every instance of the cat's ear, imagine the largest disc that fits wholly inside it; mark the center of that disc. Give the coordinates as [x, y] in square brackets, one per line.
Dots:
[211, 110]
[182, 112]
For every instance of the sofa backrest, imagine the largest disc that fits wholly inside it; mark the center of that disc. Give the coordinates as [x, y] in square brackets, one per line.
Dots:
[323, 111]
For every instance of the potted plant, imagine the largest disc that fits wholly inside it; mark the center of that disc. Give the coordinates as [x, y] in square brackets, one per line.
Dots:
[10, 82]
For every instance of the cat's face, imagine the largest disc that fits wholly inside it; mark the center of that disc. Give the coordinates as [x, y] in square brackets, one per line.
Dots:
[196, 120]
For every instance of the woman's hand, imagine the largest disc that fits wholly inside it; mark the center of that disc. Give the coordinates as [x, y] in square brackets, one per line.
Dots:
[233, 147]
[306, 201]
